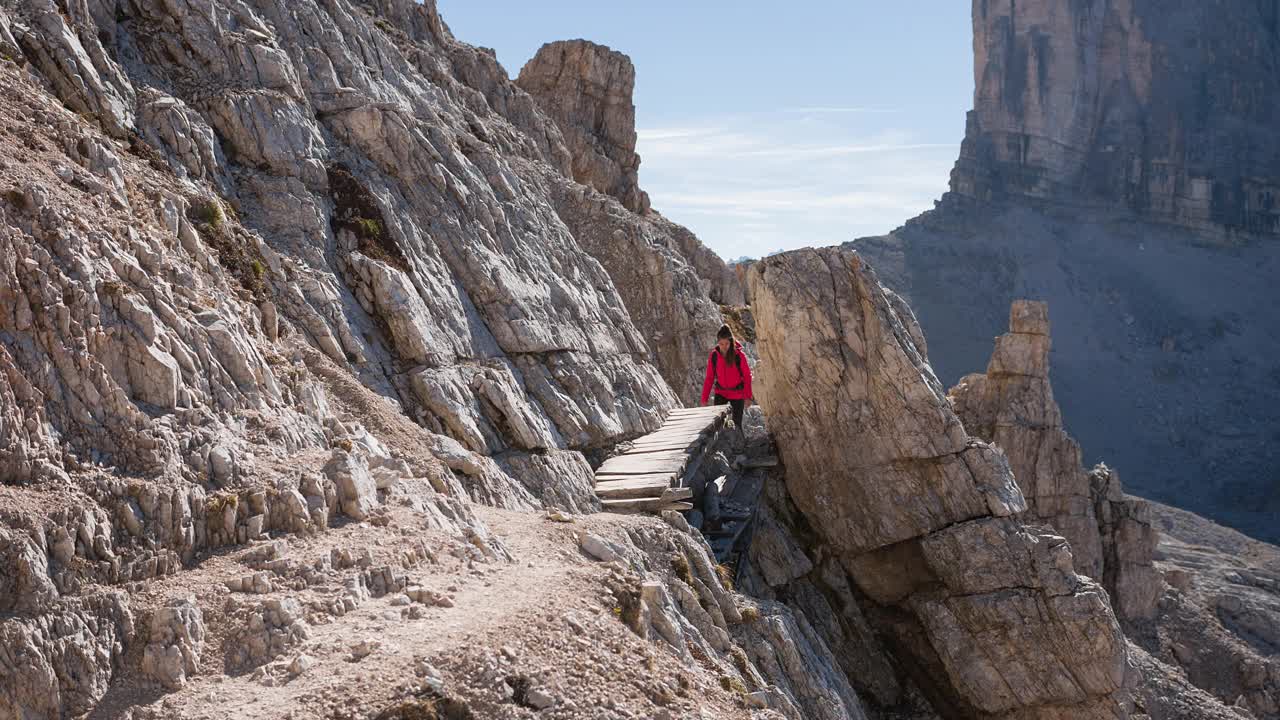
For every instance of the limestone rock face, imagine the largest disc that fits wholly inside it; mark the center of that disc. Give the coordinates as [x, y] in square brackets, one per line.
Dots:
[1113, 149]
[8, 46]
[846, 374]
[59, 663]
[177, 639]
[227, 242]
[1135, 103]
[25, 586]
[666, 297]
[1217, 622]
[382, 220]
[1012, 405]
[357, 492]
[669, 281]
[586, 88]
[920, 516]
[1129, 540]
[722, 284]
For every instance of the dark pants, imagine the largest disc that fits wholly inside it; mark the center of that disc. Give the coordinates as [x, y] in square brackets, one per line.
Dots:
[736, 406]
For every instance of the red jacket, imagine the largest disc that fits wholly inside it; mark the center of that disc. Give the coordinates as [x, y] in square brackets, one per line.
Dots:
[728, 376]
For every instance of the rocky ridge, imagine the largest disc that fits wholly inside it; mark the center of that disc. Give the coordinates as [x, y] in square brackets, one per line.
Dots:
[1186, 641]
[986, 614]
[1158, 109]
[669, 280]
[310, 332]
[586, 88]
[1149, 576]
[1118, 163]
[245, 244]
[1012, 405]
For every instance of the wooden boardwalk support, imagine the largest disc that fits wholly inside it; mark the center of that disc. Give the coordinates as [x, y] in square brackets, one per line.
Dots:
[654, 474]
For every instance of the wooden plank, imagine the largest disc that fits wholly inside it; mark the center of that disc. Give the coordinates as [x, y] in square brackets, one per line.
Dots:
[669, 434]
[630, 489]
[697, 411]
[694, 417]
[675, 453]
[693, 427]
[684, 448]
[657, 480]
[610, 475]
[698, 426]
[686, 438]
[700, 410]
[658, 438]
[640, 479]
[648, 508]
[672, 496]
[644, 464]
[639, 457]
[668, 430]
[671, 468]
[686, 419]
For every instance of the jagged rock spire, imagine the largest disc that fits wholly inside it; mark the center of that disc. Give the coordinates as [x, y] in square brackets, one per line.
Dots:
[987, 612]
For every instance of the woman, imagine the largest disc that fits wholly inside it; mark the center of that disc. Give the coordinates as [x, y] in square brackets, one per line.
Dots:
[728, 374]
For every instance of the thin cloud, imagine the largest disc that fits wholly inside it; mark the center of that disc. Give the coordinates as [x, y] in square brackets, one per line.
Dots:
[838, 110]
[847, 149]
[674, 133]
[751, 184]
[722, 142]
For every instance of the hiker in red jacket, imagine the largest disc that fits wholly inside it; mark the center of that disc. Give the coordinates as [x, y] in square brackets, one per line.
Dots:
[728, 374]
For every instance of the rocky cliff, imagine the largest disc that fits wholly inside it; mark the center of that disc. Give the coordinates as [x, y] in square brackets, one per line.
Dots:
[985, 613]
[1012, 405]
[669, 280]
[1165, 110]
[1159, 587]
[294, 270]
[309, 325]
[1118, 163]
[949, 575]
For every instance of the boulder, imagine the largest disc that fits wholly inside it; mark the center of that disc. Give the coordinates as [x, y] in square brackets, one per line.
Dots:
[923, 517]
[357, 490]
[1012, 405]
[176, 641]
[586, 88]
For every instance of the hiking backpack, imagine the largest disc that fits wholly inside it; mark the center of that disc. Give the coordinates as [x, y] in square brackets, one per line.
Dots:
[715, 369]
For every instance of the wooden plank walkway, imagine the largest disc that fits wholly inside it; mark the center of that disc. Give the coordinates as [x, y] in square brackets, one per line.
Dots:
[654, 474]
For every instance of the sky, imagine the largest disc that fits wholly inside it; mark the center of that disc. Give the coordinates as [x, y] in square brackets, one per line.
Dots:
[767, 126]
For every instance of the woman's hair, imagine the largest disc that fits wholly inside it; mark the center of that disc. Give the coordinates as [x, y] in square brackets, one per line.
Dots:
[723, 333]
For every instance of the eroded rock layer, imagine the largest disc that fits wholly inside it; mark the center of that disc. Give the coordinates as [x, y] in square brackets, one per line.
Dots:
[1119, 162]
[1161, 108]
[1012, 405]
[276, 269]
[586, 88]
[669, 280]
[987, 615]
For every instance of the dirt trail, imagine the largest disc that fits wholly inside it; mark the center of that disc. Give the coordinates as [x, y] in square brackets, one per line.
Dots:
[544, 621]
